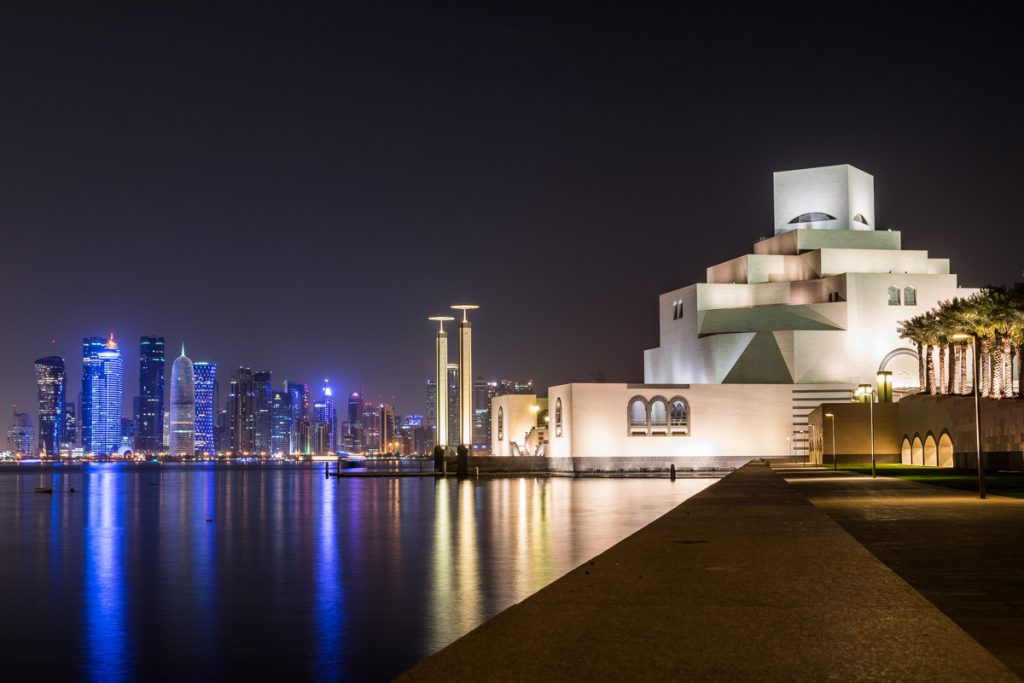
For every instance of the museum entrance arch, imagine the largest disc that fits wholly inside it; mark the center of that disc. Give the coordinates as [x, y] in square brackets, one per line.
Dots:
[905, 452]
[917, 452]
[902, 363]
[931, 451]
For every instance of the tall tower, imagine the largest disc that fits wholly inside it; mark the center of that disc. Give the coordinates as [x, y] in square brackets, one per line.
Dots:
[50, 390]
[106, 387]
[465, 376]
[183, 406]
[281, 416]
[206, 406]
[150, 428]
[441, 377]
[241, 414]
[91, 347]
[263, 427]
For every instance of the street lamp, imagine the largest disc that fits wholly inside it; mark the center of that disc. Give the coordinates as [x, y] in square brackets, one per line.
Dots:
[835, 466]
[871, 413]
[977, 408]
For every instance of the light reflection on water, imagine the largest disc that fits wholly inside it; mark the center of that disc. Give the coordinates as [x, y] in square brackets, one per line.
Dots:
[178, 572]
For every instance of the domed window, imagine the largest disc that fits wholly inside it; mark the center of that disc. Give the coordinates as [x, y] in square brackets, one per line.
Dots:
[812, 217]
[909, 296]
[659, 416]
[679, 417]
[637, 416]
[860, 219]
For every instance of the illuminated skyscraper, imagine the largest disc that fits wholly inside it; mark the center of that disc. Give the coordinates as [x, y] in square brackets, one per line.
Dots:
[371, 427]
[50, 391]
[206, 405]
[389, 441]
[325, 414]
[19, 434]
[242, 415]
[105, 383]
[281, 416]
[264, 423]
[356, 433]
[454, 404]
[298, 395]
[183, 406]
[149, 427]
[70, 425]
[91, 348]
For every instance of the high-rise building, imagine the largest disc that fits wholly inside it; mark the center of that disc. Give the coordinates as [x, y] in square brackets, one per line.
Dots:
[431, 423]
[242, 413]
[206, 406]
[183, 406]
[389, 441]
[149, 428]
[91, 348]
[19, 434]
[103, 374]
[481, 418]
[222, 430]
[281, 417]
[453, 404]
[329, 416]
[50, 392]
[70, 439]
[356, 433]
[371, 427]
[298, 400]
[263, 427]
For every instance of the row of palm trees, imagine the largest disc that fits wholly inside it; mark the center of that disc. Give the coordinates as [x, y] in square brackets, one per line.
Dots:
[995, 316]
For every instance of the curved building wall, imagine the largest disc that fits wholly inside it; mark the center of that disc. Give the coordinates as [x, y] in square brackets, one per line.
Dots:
[183, 407]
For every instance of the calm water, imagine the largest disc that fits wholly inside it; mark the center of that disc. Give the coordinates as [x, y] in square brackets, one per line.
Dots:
[186, 572]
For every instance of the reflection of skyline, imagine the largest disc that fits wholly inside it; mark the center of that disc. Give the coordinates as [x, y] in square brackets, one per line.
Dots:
[107, 639]
[339, 578]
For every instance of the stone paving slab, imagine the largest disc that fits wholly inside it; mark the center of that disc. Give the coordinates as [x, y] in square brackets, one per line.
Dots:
[746, 581]
[964, 554]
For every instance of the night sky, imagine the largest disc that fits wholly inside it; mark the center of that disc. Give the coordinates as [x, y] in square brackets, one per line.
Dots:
[296, 188]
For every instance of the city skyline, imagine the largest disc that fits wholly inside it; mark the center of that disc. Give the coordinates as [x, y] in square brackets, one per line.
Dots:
[353, 158]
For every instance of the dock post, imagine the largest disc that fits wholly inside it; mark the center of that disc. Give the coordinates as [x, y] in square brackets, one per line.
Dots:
[462, 462]
[672, 472]
[327, 470]
[476, 472]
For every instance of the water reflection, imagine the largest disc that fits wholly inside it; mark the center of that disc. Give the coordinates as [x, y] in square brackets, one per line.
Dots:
[107, 639]
[206, 572]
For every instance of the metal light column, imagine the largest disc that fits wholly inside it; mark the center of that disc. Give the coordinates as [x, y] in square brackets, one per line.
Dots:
[871, 403]
[441, 379]
[465, 376]
[835, 456]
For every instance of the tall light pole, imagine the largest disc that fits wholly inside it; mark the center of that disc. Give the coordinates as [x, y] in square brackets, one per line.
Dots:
[835, 466]
[441, 380]
[466, 375]
[977, 409]
[871, 413]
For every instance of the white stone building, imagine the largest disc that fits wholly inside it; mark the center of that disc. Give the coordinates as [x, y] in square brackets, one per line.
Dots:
[743, 358]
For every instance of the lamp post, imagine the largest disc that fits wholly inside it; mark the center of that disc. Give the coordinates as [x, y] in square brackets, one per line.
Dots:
[871, 413]
[835, 466]
[977, 409]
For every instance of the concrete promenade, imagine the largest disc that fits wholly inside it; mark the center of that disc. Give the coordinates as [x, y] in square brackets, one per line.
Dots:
[746, 581]
[964, 554]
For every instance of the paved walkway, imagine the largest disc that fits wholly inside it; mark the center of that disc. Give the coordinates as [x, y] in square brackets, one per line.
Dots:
[744, 582]
[964, 554]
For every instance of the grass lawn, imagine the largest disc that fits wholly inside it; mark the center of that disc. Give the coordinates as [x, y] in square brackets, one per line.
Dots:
[997, 483]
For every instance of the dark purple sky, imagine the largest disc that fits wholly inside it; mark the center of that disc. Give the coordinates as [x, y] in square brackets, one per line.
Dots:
[297, 189]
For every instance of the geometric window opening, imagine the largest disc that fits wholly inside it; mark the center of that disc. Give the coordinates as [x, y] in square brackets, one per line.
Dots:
[558, 417]
[813, 217]
[679, 417]
[637, 416]
[659, 416]
[860, 219]
[909, 296]
[501, 423]
[894, 296]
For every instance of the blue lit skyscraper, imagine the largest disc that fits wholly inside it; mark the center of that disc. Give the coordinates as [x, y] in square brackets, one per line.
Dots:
[206, 405]
[263, 420]
[50, 390]
[149, 426]
[326, 415]
[105, 386]
[91, 348]
[183, 406]
[299, 397]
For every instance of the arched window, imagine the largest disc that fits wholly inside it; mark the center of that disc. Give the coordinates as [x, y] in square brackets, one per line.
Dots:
[679, 416]
[909, 296]
[659, 416]
[894, 296]
[637, 415]
[860, 219]
[501, 423]
[558, 416]
[812, 217]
